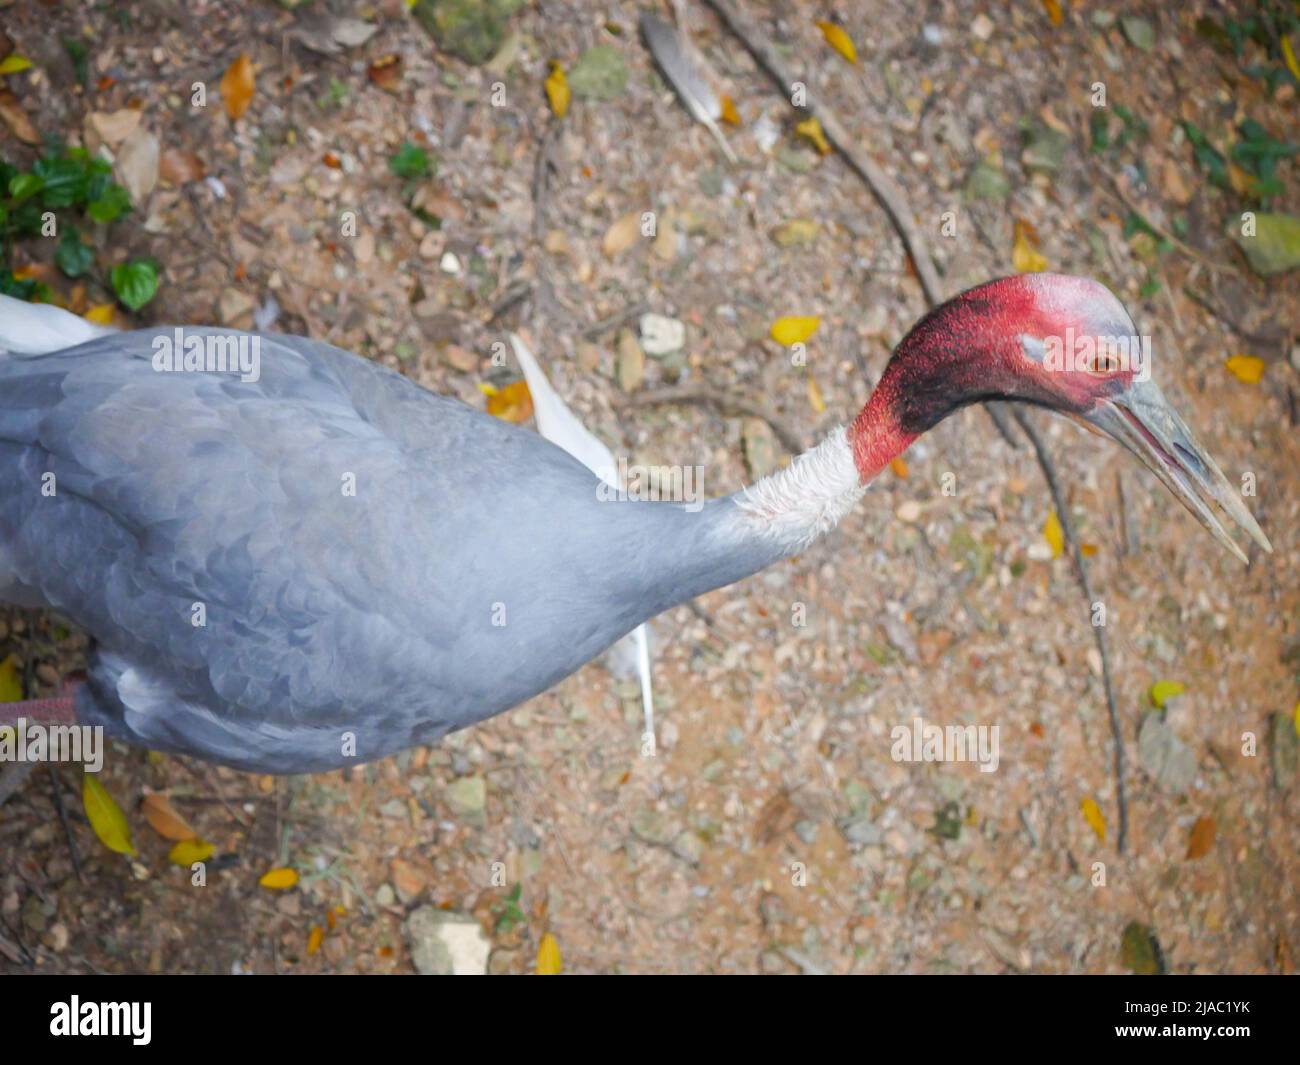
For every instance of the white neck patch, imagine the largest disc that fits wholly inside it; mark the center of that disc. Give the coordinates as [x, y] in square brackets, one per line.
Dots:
[798, 504]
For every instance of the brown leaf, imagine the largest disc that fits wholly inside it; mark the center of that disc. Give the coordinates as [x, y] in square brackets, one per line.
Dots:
[620, 236]
[1202, 838]
[237, 86]
[386, 72]
[164, 819]
[776, 818]
[16, 119]
[179, 167]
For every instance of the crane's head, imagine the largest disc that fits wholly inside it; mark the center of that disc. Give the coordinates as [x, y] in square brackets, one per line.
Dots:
[1060, 342]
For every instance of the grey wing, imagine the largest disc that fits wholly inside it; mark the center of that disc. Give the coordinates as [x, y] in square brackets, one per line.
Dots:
[267, 565]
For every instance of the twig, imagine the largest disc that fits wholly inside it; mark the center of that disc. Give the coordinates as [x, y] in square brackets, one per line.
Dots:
[1098, 631]
[891, 200]
[634, 310]
[879, 183]
[56, 786]
[790, 440]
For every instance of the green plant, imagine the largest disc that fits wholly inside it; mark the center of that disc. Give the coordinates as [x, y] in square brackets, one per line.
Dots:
[34, 203]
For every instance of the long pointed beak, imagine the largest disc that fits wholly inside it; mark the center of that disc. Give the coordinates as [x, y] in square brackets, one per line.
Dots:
[1143, 421]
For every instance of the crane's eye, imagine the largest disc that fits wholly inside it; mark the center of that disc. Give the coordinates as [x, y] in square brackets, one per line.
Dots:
[1103, 360]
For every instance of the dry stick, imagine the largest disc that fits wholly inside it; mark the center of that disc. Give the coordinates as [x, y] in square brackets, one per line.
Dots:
[790, 440]
[57, 785]
[891, 200]
[1098, 631]
[879, 183]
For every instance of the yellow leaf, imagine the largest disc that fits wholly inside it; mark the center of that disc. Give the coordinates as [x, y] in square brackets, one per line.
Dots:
[1202, 838]
[316, 938]
[1093, 815]
[279, 879]
[1246, 368]
[548, 956]
[1164, 690]
[794, 330]
[1088, 550]
[514, 403]
[1288, 54]
[839, 40]
[189, 851]
[105, 816]
[164, 819]
[1054, 534]
[1054, 13]
[557, 91]
[100, 314]
[812, 129]
[1025, 256]
[11, 684]
[729, 114]
[899, 466]
[14, 64]
[815, 396]
[1296, 715]
[237, 86]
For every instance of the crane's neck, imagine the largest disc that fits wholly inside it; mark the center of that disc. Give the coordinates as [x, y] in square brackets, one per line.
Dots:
[796, 505]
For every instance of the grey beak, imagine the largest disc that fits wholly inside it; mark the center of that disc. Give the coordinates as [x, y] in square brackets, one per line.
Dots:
[1143, 421]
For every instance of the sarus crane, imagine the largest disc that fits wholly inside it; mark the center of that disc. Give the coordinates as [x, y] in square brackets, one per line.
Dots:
[328, 563]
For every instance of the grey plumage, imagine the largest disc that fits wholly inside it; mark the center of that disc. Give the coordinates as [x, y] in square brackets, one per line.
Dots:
[377, 614]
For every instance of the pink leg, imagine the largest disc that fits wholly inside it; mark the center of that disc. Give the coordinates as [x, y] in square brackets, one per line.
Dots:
[58, 711]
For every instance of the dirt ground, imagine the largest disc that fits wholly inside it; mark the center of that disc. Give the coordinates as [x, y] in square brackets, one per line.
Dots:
[772, 831]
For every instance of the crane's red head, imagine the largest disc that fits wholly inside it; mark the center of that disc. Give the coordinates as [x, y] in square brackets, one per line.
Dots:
[1055, 341]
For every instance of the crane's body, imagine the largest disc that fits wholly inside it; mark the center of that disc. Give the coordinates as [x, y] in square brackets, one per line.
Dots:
[323, 563]
[269, 566]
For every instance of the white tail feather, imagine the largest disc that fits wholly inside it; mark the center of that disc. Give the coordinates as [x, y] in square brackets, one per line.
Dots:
[40, 328]
[558, 424]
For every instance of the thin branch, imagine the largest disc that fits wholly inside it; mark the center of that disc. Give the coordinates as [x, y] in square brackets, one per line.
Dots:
[1098, 631]
[880, 184]
[891, 199]
[790, 440]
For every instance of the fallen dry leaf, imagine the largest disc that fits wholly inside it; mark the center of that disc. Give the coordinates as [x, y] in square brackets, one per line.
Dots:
[237, 86]
[838, 39]
[189, 851]
[1201, 839]
[622, 234]
[1025, 256]
[549, 962]
[13, 116]
[557, 91]
[1248, 369]
[179, 167]
[279, 879]
[164, 819]
[514, 403]
[794, 329]
[1093, 815]
[812, 130]
[386, 72]
[1054, 534]
[105, 816]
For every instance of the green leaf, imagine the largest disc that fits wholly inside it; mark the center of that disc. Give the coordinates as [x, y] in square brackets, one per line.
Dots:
[135, 282]
[64, 180]
[410, 162]
[109, 207]
[25, 186]
[1275, 247]
[73, 256]
[1140, 950]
